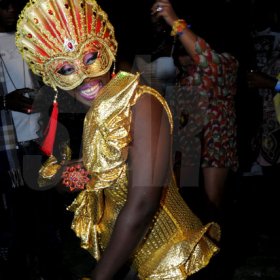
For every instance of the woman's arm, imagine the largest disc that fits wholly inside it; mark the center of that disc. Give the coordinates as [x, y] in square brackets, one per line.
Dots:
[149, 157]
[260, 80]
[187, 38]
[195, 46]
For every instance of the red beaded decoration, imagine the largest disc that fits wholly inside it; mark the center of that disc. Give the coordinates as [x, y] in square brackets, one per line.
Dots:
[75, 177]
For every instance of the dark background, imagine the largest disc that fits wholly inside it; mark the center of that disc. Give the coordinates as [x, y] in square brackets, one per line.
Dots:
[222, 21]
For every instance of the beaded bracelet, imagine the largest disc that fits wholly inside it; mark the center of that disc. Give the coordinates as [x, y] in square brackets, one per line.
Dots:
[178, 27]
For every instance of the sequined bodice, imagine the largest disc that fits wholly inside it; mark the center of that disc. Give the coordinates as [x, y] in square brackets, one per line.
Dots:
[172, 245]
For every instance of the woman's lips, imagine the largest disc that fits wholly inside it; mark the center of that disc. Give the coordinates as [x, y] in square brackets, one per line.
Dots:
[90, 90]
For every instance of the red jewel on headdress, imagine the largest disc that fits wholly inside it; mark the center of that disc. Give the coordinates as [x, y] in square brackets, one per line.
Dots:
[29, 35]
[66, 6]
[36, 20]
[70, 45]
[50, 12]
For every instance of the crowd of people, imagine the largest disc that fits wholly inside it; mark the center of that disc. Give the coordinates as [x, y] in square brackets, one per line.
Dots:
[95, 157]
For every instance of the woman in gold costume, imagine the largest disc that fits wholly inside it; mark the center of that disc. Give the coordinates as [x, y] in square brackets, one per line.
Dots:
[130, 211]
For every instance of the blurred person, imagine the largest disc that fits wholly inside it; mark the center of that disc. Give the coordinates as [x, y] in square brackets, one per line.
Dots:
[266, 142]
[204, 105]
[205, 132]
[262, 78]
[128, 212]
[263, 83]
[26, 231]
[16, 103]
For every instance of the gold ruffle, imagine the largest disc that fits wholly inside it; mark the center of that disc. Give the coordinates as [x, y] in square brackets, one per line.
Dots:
[88, 208]
[186, 257]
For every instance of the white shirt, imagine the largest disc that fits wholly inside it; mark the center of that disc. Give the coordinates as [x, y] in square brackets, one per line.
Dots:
[26, 125]
[159, 74]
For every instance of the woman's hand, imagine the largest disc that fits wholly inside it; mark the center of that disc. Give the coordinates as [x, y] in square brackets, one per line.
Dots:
[163, 8]
[17, 101]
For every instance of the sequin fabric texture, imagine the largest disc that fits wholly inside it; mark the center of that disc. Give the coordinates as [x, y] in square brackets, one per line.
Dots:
[177, 244]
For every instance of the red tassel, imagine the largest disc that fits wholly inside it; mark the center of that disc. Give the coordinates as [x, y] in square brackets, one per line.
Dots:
[50, 131]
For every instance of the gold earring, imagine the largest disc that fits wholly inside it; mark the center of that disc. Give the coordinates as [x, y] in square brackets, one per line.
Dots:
[113, 74]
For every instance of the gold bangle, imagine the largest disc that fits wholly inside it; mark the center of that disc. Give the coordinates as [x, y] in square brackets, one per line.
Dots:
[178, 27]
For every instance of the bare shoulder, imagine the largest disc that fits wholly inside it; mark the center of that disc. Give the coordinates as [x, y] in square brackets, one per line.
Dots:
[147, 100]
[150, 116]
[150, 104]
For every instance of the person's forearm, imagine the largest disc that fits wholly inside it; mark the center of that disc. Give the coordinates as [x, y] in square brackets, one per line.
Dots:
[179, 27]
[186, 36]
[130, 228]
[188, 40]
[270, 82]
[261, 80]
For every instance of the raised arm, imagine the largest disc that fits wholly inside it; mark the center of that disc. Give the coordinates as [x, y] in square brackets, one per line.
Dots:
[163, 8]
[149, 156]
[206, 58]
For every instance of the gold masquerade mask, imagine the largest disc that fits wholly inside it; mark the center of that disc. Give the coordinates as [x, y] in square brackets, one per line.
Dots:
[66, 41]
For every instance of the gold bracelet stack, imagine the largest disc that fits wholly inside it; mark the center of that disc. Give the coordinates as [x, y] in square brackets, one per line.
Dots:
[178, 27]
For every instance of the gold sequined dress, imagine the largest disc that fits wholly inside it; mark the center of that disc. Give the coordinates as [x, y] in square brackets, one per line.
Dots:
[177, 244]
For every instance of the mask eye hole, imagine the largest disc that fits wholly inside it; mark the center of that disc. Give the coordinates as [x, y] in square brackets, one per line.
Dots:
[66, 69]
[89, 58]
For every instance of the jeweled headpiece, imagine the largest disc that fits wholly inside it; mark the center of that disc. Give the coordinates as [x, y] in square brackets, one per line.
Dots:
[52, 33]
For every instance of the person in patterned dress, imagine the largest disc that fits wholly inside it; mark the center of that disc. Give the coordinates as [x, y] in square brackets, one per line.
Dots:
[203, 108]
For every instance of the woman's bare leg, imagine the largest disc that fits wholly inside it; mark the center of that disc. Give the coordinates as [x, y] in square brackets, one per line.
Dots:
[214, 185]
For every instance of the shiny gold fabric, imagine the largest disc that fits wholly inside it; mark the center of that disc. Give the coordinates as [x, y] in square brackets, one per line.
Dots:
[176, 245]
[50, 168]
